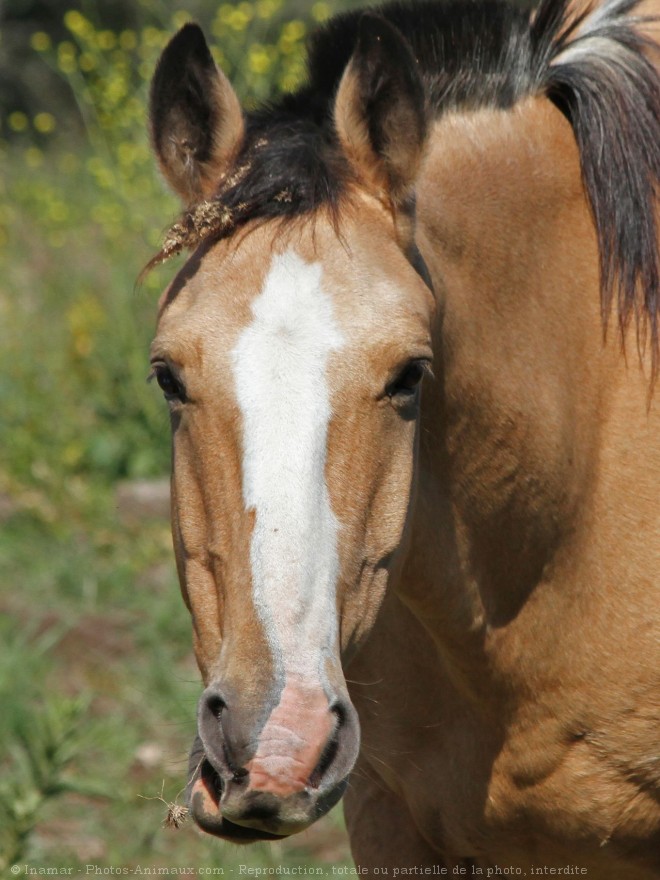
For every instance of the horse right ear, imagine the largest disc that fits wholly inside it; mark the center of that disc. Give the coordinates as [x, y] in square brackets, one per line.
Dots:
[380, 110]
[196, 120]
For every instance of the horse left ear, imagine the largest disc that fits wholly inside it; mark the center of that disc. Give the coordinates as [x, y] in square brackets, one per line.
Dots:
[380, 110]
[196, 118]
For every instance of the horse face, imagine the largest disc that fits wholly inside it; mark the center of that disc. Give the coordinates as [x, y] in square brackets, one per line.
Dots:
[291, 352]
[292, 366]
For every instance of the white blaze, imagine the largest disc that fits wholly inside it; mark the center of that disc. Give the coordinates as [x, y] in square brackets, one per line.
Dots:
[279, 367]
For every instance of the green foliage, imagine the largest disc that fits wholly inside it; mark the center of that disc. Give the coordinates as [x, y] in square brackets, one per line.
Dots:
[97, 682]
[76, 225]
[43, 746]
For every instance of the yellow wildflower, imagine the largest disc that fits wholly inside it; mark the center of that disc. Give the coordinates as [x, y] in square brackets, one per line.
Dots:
[44, 123]
[40, 41]
[18, 121]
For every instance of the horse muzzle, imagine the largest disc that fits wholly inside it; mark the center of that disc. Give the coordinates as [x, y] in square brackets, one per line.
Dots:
[255, 779]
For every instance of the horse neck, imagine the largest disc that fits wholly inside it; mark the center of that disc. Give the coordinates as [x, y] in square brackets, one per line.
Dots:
[514, 426]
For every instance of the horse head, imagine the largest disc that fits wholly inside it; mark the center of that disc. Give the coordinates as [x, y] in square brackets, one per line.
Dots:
[291, 349]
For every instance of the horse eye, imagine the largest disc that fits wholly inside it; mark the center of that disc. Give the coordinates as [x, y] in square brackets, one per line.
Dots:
[168, 383]
[408, 379]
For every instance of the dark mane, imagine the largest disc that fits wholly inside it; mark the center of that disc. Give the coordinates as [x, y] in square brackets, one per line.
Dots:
[475, 54]
[470, 54]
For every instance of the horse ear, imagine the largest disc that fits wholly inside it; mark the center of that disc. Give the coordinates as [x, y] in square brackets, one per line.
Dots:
[196, 119]
[380, 110]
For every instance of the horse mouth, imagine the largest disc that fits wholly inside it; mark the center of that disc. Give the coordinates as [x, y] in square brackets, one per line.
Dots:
[204, 793]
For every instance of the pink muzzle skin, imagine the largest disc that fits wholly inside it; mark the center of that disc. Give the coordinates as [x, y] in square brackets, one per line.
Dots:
[292, 742]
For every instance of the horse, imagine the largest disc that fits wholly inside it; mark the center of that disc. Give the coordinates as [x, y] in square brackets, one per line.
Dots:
[410, 365]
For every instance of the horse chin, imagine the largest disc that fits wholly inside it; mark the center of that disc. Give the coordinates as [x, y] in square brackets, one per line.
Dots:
[204, 792]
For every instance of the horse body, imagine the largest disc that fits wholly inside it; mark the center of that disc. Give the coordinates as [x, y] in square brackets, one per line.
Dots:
[457, 586]
[533, 744]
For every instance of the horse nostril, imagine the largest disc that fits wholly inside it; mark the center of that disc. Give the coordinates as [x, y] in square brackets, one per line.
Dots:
[339, 709]
[224, 732]
[215, 705]
[331, 747]
[212, 709]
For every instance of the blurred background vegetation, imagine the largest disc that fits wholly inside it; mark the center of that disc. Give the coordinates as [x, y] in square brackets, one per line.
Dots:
[97, 683]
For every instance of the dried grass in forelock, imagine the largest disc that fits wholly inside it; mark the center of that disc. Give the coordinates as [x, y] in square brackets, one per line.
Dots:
[204, 219]
[207, 218]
